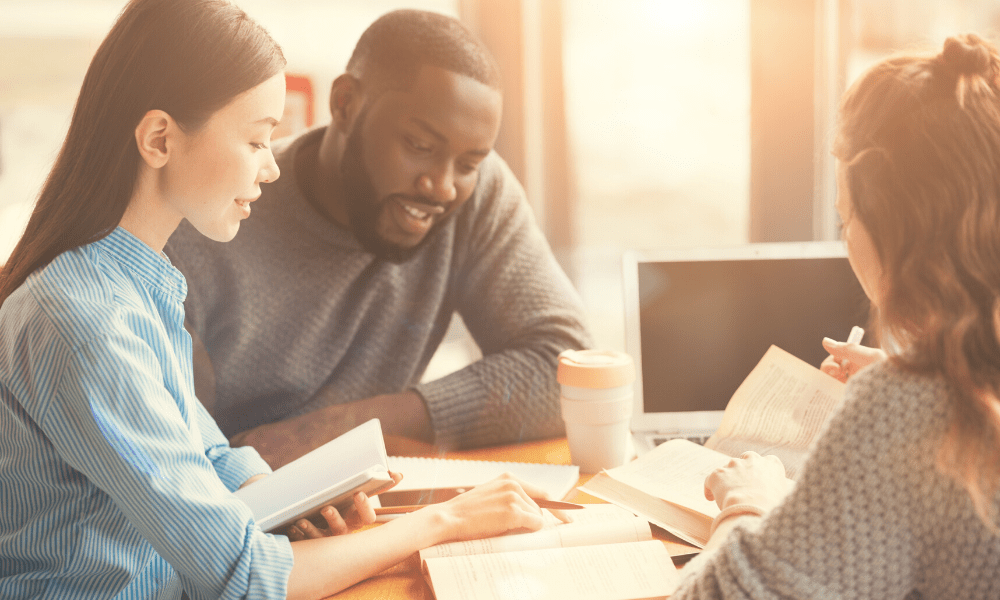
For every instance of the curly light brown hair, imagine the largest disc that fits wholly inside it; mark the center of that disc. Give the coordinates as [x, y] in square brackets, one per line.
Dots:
[920, 139]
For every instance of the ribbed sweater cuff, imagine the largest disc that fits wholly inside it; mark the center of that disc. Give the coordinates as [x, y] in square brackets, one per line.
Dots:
[455, 405]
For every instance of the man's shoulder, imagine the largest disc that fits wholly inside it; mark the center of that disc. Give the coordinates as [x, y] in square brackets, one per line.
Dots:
[497, 193]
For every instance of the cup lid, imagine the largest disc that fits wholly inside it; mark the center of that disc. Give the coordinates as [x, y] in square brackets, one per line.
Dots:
[595, 369]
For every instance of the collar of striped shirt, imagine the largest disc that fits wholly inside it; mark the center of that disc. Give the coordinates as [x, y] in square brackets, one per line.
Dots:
[133, 254]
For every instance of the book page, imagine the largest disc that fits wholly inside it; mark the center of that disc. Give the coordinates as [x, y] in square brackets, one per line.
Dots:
[780, 407]
[608, 525]
[690, 526]
[674, 471]
[607, 572]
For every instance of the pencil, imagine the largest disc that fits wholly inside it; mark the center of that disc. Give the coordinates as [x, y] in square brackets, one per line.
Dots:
[541, 502]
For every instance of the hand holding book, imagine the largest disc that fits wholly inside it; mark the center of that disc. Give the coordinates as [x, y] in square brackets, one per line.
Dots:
[360, 513]
[751, 480]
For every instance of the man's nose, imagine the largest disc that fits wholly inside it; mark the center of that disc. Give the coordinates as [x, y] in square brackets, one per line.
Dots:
[438, 185]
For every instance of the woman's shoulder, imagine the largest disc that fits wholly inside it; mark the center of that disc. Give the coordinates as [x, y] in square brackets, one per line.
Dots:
[73, 296]
[887, 386]
[887, 407]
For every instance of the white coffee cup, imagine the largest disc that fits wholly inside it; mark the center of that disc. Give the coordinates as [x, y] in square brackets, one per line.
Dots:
[596, 401]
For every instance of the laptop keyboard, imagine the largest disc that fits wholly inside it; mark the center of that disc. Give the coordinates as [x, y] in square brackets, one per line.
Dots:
[698, 439]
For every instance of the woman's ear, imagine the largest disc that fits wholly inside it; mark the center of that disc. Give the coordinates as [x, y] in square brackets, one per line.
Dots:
[153, 137]
[345, 99]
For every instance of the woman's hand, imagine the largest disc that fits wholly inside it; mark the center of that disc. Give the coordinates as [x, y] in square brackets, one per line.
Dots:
[750, 479]
[847, 359]
[488, 510]
[360, 514]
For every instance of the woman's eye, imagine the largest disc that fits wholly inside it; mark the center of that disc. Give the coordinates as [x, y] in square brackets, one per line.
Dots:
[258, 145]
[417, 145]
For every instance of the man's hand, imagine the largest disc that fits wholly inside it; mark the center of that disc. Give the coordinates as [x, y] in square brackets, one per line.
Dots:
[279, 443]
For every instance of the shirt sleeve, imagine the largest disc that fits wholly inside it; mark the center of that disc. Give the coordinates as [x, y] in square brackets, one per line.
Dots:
[521, 309]
[847, 530]
[233, 465]
[116, 423]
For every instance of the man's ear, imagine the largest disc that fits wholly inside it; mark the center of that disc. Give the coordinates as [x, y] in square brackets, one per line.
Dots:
[345, 101]
[153, 137]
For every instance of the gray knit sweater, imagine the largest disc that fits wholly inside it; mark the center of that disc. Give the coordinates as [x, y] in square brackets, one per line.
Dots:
[295, 315]
[871, 517]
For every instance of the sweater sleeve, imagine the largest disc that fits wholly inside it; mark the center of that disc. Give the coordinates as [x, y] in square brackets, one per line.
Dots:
[522, 311]
[847, 530]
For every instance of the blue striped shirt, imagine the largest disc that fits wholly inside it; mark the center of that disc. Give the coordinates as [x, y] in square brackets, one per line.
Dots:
[116, 483]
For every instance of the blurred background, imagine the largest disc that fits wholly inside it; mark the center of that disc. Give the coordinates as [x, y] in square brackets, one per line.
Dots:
[631, 123]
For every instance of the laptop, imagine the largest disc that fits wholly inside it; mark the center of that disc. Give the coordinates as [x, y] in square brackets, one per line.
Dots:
[697, 321]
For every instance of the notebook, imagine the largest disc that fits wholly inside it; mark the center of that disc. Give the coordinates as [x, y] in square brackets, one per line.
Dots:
[697, 320]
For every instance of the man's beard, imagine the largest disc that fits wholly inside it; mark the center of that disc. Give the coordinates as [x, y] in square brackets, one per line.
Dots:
[364, 207]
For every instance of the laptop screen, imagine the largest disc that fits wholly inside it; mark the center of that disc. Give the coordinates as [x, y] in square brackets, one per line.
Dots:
[704, 324]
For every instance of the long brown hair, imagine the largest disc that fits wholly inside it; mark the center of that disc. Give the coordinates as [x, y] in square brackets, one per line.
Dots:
[188, 58]
[920, 136]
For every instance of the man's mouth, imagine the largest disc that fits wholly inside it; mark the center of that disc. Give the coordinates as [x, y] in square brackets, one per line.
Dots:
[415, 217]
[415, 212]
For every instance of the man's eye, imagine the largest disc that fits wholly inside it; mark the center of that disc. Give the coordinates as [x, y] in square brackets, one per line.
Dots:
[467, 168]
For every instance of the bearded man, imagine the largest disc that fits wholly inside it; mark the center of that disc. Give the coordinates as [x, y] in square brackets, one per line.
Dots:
[328, 306]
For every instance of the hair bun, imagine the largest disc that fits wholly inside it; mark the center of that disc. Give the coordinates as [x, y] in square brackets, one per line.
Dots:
[967, 55]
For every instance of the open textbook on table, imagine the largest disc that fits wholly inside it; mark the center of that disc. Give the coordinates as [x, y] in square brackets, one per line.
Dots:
[780, 409]
[607, 553]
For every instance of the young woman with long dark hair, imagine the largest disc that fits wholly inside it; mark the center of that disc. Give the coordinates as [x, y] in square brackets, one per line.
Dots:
[899, 498]
[115, 480]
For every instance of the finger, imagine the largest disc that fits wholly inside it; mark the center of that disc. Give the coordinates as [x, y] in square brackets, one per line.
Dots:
[520, 487]
[842, 351]
[830, 366]
[710, 482]
[530, 519]
[363, 509]
[561, 515]
[532, 490]
[708, 492]
[776, 460]
[309, 530]
[294, 534]
[334, 521]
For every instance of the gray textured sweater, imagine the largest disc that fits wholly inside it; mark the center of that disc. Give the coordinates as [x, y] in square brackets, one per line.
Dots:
[295, 315]
[871, 517]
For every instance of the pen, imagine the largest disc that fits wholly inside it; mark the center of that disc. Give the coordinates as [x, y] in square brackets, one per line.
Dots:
[857, 334]
[541, 502]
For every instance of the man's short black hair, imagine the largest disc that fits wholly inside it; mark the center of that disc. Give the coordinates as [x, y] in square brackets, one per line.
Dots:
[394, 47]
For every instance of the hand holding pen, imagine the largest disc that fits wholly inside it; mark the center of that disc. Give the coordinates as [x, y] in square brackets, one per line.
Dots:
[847, 358]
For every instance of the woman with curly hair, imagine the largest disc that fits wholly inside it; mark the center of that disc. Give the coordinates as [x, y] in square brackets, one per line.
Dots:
[899, 498]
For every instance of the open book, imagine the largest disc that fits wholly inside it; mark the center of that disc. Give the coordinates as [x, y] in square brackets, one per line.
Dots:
[606, 553]
[780, 408]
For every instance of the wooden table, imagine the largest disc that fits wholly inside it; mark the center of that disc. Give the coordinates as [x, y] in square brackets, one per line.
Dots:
[404, 580]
